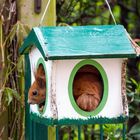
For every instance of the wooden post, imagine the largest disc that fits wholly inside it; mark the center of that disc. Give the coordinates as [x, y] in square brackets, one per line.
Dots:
[27, 15]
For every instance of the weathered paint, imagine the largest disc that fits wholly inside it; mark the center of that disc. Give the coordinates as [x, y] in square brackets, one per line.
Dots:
[80, 42]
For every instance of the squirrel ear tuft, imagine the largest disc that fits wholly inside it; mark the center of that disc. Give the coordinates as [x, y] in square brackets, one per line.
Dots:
[41, 81]
[40, 70]
[40, 76]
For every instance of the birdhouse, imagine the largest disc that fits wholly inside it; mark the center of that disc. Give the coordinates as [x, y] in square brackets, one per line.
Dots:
[84, 71]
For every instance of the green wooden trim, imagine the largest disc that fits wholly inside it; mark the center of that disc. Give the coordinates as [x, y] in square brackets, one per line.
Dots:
[31, 129]
[67, 121]
[90, 56]
[101, 132]
[41, 132]
[96, 120]
[79, 132]
[41, 61]
[50, 43]
[100, 41]
[34, 131]
[105, 83]
[47, 132]
[57, 132]
[39, 119]
[33, 39]
[123, 131]
[28, 123]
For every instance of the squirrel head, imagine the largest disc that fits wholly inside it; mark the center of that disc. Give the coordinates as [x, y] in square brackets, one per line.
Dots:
[37, 91]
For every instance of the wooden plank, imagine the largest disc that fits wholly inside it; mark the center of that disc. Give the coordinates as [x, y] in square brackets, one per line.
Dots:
[108, 41]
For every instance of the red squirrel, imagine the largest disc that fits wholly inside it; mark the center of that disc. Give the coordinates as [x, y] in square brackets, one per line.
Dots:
[87, 88]
[37, 91]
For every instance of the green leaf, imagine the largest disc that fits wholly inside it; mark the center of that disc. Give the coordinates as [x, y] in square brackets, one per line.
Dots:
[134, 82]
[131, 94]
[10, 36]
[138, 115]
[10, 94]
[135, 129]
[20, 30]
[99, 3]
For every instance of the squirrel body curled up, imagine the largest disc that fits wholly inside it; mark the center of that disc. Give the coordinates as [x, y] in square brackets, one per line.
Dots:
[87, 90]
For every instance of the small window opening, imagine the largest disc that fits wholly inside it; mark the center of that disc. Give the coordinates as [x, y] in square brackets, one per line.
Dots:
[37, 91]
[88, 88]
[41, 80]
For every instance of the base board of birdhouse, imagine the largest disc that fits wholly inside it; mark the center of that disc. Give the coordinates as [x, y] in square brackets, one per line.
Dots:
[68, 121]
[99, 120]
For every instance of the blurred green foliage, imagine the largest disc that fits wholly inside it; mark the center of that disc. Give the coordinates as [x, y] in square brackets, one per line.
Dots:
[89, 12]
[95, 12]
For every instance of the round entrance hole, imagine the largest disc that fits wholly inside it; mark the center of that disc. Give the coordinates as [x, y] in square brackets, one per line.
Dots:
[88, 88]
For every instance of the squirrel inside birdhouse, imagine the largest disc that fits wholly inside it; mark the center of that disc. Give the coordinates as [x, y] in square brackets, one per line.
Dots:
[37, 91]
[88, 88]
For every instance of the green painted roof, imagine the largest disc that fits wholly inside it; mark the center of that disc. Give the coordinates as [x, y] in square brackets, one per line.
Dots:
[104, 41]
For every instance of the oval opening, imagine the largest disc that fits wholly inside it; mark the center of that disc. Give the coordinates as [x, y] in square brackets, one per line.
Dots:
[37, 92]
[40, 78]
[88, 88]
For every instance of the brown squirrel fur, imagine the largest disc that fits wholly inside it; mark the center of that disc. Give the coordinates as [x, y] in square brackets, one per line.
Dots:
[37, 91]
[87, 89]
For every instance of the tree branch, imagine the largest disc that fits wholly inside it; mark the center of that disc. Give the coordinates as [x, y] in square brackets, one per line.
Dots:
[121, 4]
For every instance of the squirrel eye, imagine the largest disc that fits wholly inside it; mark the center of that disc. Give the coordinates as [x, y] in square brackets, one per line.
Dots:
[35, 92]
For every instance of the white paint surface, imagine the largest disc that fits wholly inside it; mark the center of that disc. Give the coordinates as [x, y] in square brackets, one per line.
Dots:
[34, 56]
[113, 107]
[61, 75]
